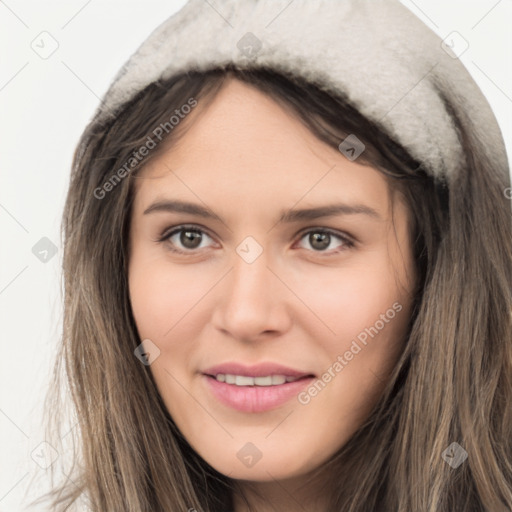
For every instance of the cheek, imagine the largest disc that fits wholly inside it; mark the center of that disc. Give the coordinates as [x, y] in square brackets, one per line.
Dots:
[162, 299]
[168, 310]
[365, 314]
[346, 301]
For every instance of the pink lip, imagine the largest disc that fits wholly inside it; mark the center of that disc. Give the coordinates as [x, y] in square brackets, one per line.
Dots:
[255, 398]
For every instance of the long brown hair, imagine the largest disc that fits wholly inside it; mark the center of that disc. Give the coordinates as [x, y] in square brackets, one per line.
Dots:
[453, 382]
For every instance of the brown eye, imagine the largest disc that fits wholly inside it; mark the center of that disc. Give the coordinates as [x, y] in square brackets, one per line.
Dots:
[190, 239]
[185, 239]
[321, 239]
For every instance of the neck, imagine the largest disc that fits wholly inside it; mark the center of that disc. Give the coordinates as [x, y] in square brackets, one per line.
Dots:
[293, 495]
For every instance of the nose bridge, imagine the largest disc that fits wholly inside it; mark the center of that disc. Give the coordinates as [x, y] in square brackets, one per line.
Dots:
[251, 303]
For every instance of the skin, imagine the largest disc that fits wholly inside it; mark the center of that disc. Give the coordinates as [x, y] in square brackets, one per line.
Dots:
[248, 160]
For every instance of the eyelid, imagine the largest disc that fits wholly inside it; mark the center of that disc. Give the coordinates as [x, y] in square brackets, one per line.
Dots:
[331, 231]
[179, 227]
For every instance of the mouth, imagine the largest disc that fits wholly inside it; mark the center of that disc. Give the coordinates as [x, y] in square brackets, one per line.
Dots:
[255, 389]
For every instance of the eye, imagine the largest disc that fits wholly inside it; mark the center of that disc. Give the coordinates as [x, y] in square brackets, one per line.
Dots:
[319, 239]
[184, 239]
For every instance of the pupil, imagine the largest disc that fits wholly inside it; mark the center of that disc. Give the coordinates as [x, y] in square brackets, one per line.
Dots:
[323, 240]
[190, 239]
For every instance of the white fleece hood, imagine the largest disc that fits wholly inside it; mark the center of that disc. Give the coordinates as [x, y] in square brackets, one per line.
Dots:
[387, 62]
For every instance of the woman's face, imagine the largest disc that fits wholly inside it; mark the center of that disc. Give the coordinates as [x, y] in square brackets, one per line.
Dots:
[273, 324]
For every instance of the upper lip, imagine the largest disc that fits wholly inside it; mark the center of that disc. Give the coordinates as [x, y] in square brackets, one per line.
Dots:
[257, 370]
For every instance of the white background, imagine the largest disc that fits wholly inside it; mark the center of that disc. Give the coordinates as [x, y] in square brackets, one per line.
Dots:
[45, 105]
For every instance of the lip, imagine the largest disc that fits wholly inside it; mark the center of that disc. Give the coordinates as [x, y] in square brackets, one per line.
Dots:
[255, 399]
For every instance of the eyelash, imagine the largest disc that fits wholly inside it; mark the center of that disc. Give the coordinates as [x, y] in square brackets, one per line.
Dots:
[348, 243]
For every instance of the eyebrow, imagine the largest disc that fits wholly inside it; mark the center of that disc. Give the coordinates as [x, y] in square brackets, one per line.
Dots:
[288, 216]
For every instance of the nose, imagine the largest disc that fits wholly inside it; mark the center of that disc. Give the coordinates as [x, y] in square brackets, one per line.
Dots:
[253, 303]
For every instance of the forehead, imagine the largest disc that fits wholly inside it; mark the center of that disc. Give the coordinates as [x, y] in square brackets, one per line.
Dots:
[244, 143]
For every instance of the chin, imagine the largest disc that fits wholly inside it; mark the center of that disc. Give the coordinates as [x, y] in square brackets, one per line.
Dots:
[244, 461]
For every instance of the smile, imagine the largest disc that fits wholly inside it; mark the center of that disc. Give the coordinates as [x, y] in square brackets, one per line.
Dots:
[254, 389]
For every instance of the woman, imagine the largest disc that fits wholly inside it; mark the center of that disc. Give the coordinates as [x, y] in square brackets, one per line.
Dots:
[288, 271]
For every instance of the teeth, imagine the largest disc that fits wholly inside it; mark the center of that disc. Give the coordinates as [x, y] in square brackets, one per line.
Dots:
[242, 380]
[263, 381]
[278, 379]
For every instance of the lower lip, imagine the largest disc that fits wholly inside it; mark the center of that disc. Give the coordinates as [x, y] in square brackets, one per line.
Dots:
[255, 398]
